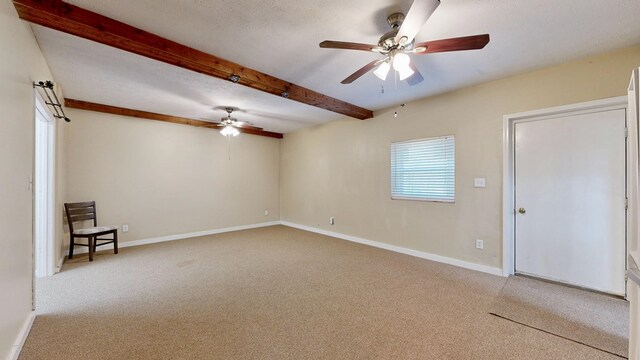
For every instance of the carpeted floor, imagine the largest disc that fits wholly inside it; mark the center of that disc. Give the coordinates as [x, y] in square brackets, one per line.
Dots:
[597, 320]
[277, 293]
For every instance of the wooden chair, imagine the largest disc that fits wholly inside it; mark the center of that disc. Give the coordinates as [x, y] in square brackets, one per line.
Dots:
[84, 211]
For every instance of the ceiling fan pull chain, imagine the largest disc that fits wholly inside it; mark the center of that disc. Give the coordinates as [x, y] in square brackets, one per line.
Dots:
[229, 148]
[395, 113]
[395, 80]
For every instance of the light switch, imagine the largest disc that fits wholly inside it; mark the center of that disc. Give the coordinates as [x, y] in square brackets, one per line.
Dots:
[479, 182]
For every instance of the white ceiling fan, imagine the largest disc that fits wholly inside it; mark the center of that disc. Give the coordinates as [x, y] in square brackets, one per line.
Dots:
[397, 44]
[230, 125]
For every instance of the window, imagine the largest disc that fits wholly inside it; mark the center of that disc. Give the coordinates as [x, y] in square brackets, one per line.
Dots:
[424, 169]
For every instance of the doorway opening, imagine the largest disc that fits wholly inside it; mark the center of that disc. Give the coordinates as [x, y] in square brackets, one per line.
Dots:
[44, 190]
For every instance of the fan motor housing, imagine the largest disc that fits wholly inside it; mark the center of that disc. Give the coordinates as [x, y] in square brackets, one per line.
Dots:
[388, 40]
[395, 20]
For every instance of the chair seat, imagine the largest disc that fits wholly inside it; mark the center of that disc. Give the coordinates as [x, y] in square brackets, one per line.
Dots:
[94, 230]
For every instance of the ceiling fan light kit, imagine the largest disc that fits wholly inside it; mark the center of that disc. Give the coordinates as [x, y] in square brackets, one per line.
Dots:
[230, 125]
[229, 130]
[401, 63]
[383, 70]
[405, 73]
[397, 44]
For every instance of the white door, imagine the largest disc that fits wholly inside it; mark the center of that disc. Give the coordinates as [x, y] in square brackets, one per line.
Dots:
[570, 199]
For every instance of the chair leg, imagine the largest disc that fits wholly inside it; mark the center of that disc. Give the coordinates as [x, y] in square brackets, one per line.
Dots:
[95, 244]
[91, 248]
[71, 245]
[115, 242]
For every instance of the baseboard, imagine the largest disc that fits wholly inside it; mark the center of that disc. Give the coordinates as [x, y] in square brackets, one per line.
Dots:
[84, 249]
[402, 250]
[14, 353]
[398, 249]
[60, 263]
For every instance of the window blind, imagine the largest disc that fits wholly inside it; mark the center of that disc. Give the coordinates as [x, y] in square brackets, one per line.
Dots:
[424, 169]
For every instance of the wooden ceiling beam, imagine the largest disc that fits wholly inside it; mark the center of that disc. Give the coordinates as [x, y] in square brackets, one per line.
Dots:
[108, 109]
[77, 21]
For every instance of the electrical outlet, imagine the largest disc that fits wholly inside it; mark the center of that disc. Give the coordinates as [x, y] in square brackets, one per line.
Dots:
[479, 244]
[266, 212]
[332, 221]
[125, 228]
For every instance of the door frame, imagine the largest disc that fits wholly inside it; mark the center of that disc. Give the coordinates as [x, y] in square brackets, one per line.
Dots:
[44, 248]
[508, 163]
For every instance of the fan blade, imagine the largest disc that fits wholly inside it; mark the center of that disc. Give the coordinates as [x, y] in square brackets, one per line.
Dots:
[416, 78]
[363, 70]
[213, 125]
[455, 44]
[348, 45]
[245, 125]
[418, 14]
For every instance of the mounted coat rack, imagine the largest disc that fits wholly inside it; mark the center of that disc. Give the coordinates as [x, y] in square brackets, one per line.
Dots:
[52, 99]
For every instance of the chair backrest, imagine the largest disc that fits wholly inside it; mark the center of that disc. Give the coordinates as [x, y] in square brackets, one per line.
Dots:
[80, 211]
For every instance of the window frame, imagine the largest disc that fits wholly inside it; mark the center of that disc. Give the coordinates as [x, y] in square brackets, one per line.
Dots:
[415, 198]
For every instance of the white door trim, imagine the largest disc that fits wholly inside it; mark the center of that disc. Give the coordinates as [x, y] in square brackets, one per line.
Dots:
[633, 291]
[508, 206]
[45, 262]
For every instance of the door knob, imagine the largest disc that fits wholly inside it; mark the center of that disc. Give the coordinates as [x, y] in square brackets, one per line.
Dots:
[522, 211]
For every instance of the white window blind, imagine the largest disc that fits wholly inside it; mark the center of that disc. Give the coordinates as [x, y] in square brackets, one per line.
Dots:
[424, 169]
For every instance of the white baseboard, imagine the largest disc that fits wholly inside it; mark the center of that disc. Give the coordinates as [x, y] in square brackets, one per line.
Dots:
[402, 250]
[158, 239]
[60, 262]
[14, 353]
[398, 249]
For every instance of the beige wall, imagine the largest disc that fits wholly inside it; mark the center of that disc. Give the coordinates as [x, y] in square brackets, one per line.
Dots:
[20, 63]
[341, 169]
[165, 179]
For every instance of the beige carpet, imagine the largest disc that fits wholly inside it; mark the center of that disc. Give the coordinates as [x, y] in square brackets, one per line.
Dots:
[277, 293]
[592, 319]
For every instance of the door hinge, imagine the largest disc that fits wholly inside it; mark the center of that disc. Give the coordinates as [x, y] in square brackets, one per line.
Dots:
[626, 132]
[626, 204]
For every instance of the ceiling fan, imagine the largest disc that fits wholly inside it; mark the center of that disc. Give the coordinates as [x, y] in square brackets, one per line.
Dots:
[397, 44]
[231, 125]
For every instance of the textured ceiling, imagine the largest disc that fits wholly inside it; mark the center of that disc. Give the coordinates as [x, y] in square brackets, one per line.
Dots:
[281, 38]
